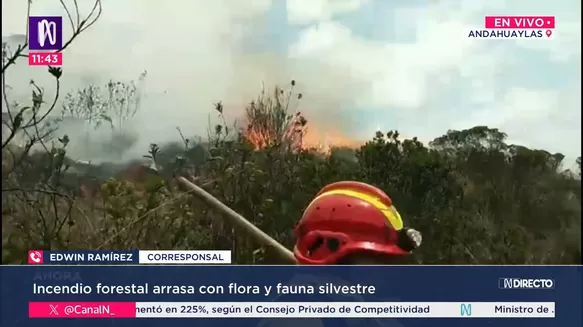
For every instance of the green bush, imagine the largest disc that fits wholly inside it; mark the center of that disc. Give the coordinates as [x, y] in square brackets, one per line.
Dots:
[476, 199]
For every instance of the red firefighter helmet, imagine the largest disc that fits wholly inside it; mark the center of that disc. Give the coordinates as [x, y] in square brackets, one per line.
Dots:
[347, 218]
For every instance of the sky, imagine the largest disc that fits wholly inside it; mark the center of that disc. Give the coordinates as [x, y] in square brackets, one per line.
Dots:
[361, 65]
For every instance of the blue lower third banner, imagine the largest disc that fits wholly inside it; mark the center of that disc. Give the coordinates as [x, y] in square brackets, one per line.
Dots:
[264, 296]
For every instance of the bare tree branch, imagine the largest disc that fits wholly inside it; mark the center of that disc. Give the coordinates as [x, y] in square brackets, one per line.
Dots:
[78, 26]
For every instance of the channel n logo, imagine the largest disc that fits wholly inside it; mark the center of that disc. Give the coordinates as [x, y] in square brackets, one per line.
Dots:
[45, 32]
[466, 310]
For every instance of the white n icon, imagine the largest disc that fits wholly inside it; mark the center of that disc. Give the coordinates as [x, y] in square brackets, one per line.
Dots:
[507, 282]
[47, 30]
[465, 310]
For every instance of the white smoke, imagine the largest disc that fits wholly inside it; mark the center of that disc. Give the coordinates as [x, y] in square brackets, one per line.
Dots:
[196, 53]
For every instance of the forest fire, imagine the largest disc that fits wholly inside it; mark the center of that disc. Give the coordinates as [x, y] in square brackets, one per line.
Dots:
[298, 137]
[270, 123]
[325, 139]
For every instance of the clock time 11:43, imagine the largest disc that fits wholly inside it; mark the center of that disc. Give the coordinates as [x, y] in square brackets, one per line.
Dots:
[45, 59]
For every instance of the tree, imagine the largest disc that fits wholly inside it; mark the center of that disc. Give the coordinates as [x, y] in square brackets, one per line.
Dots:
[272, 122]
[32, 180]
[29, 120]
[78, 24]
[113, 105]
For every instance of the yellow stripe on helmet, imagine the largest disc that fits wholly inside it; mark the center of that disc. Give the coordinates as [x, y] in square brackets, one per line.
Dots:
[393, 216]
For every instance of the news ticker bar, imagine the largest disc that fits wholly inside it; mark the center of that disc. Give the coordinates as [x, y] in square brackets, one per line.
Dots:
[270, 310]
[101, 257]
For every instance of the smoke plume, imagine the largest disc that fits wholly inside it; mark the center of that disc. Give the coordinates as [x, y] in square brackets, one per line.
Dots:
[196, 53]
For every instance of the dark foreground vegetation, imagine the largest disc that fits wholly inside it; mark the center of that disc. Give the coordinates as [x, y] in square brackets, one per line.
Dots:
[477, 199]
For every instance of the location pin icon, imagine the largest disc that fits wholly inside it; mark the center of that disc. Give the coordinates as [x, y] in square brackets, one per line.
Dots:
[549, 33]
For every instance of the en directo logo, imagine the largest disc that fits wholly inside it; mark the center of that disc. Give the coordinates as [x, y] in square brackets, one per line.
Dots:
[35, 257]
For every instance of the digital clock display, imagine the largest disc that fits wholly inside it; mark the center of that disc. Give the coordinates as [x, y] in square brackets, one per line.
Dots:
[45, 59]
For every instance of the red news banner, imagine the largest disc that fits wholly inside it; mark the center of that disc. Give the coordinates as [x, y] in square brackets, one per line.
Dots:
[543, 23]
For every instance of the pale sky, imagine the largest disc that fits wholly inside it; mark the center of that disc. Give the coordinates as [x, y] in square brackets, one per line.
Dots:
[362, 65]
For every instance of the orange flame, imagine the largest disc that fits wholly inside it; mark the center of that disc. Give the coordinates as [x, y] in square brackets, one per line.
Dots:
[300, 137]
[324, 139]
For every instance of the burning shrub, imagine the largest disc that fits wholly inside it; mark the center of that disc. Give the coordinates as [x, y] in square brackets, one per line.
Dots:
[272, 121]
